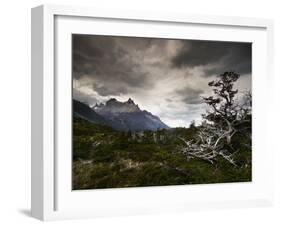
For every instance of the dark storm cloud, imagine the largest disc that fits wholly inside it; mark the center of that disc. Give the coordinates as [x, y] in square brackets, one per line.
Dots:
[190, 95]
[105, 61]
[218, 56]
[104, 91]
[87, 99]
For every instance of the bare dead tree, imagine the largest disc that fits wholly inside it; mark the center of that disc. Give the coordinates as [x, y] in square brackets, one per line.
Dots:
[208, 146]
[226, 117]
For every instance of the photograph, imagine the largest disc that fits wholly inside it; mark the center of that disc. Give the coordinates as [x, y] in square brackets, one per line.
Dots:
[152, 111]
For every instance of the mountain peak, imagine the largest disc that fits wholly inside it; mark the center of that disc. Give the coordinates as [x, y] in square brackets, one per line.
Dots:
[120, 115]
[130, 101]
[111, 100]
[117, 107]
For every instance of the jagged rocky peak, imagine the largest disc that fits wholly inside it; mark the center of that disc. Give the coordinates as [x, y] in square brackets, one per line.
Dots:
[112, 101]
[97, 105]
[115, 106]
[130, 101]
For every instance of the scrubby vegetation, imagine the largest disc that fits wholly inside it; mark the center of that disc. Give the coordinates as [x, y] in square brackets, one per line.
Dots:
[218, 151]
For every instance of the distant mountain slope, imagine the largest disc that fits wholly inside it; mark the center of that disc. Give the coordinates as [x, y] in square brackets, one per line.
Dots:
[85, 112]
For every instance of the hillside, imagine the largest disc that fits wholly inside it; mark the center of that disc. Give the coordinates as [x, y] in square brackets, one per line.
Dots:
[106, 158]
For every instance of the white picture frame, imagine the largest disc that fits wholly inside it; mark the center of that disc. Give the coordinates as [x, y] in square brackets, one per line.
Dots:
[51, 197]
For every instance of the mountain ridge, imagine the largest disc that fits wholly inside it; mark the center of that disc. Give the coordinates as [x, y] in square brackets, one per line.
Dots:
[123, 116]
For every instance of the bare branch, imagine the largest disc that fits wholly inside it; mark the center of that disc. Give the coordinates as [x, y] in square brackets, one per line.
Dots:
[226, 117]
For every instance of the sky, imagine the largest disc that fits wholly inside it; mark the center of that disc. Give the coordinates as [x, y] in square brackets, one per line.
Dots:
[166, 77]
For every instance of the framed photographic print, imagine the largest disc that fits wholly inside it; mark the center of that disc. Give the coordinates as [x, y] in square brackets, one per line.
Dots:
[136, 112]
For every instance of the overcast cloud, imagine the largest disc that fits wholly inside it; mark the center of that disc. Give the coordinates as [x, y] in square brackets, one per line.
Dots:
[166, 77]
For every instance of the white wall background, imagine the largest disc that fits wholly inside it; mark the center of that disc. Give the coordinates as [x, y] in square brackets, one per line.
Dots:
[15, 112]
